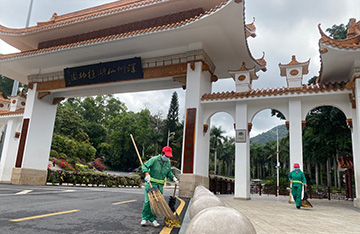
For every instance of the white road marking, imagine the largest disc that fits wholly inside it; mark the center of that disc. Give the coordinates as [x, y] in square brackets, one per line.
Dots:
[23, 192]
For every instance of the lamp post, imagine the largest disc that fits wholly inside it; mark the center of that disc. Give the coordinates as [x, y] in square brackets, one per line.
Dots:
[169, 135]
[277, 162]
[16, 83]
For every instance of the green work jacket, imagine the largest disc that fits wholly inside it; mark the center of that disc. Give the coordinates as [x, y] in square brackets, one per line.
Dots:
[158, 169]
[297, 178]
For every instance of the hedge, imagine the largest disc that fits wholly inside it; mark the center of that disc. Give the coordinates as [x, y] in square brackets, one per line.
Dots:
[79, 179]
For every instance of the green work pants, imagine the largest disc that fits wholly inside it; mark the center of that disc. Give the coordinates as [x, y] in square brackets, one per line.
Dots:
[147, 214]
[296, 192]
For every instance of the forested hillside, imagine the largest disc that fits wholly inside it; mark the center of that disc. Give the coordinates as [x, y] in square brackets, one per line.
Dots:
[270, 135]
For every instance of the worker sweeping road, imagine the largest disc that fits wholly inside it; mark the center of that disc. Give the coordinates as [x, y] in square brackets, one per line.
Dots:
[156, 169]
[297, 179]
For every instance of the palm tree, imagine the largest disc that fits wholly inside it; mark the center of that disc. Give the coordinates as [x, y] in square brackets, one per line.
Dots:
[216, 138]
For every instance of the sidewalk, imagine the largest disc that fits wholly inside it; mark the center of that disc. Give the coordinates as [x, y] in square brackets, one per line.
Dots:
[269, 214]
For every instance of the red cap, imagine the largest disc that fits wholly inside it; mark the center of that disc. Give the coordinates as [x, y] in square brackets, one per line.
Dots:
[167, 151]
[296, 165]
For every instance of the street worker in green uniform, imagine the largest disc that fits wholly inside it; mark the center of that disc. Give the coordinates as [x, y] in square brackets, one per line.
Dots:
[297, 179]
[156, 169]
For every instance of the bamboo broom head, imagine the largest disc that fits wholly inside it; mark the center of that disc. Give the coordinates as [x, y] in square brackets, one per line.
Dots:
[158, 204]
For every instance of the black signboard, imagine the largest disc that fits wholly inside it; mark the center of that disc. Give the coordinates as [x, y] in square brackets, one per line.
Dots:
[126, 69]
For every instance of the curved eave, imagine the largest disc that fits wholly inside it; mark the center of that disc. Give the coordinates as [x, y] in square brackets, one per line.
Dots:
[337, 60]
[348, 43]
[219, 24]
[97, 18]
[337, 64]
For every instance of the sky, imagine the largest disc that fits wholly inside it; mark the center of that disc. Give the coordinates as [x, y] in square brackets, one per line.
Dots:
[283, 28]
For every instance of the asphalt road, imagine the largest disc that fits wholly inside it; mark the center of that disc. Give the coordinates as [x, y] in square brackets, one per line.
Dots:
[55, 209]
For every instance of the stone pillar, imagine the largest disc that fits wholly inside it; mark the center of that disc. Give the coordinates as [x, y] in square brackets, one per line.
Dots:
[242, 153]
[355, 139]
[195, 153]
[8, 156]
[35, 139]
[295, 129]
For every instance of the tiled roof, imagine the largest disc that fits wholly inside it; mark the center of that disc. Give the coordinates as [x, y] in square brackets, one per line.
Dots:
[7, 112]
[130, 27]
[348, 43]
[278, 91]
[3, 99]
[117, 36]
[294, 62]
[94, 12]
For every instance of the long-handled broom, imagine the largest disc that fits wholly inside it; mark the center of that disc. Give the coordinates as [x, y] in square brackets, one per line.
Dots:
[157, 201]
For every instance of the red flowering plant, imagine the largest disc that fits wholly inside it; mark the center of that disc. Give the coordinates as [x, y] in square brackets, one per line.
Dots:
[64, 165]
[98, 164]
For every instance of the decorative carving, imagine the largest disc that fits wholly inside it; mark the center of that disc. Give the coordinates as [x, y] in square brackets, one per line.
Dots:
[323, 51]
[205, 128]
[13, 101]
[241, 77]
[41, 95]
[249, 127]
[1, 105]
[349, 123]
[57, 100]
[23, 103]
[294, 72]
[214, 78]
[192, 66]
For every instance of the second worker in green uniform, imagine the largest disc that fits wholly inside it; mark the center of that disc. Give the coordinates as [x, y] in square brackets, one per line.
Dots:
[156, 170]
[297, 179]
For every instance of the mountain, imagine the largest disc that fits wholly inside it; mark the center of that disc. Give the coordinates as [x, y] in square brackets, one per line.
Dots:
[270, 135]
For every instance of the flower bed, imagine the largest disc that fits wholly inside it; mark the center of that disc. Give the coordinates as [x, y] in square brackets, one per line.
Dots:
[79, 179]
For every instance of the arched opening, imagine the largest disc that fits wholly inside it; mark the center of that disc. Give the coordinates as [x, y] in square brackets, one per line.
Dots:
[327, 147]
[269, 150]
[222, 145]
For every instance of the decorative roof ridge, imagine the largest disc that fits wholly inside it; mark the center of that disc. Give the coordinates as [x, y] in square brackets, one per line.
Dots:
[3, 99]
[352, 42]
[261, 60]
[116, 36]
[251, 27]
[279, 91]
[8, 112]
[105, 9]
[262, 67]
[294, 62]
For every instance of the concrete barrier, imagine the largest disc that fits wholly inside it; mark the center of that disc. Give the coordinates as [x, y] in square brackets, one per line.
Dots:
[209, 215]
[203, 202]
[215, 220]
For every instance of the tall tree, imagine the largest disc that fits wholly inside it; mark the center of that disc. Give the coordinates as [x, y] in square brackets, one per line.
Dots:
[173, 113]
[216, 137]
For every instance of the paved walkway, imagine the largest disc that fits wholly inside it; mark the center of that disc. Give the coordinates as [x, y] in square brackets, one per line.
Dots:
[275, 215]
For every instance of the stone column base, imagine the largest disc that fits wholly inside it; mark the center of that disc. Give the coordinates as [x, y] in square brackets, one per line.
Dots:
[357, 203]
[27, 176]
[188, 183]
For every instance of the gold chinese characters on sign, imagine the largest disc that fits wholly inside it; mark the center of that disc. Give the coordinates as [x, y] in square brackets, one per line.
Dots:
[104, 72]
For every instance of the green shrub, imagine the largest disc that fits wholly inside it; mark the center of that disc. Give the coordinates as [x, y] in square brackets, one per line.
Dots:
[54, 153]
